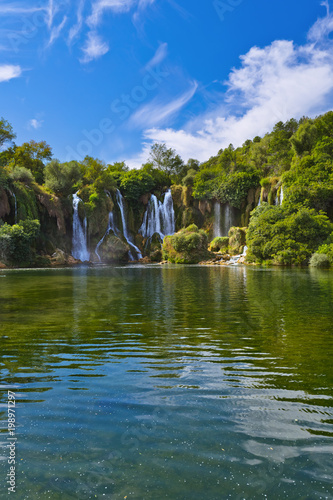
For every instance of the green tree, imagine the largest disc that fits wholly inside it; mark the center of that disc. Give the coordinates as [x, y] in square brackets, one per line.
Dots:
[32, 155]
[6, 132]
[166, 159]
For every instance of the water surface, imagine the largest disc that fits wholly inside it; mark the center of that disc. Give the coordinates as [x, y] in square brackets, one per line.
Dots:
[153, 382]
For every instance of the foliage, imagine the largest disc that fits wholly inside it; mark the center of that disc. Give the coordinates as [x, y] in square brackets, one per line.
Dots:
[237, 240]
[166, 159]
[135, 183]
[320, 260]
[220, 243]
[32, 155]
[6, 132]
[16, 241]
[188, 246]
[62, 178]
[287, 237]
[22, 174]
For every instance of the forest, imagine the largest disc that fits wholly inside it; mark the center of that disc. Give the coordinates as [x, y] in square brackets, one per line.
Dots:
[277, 188]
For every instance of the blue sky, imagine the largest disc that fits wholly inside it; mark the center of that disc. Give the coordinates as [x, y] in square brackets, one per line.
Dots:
[110, 77]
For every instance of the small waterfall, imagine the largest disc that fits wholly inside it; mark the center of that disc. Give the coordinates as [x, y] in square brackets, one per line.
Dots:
[15, 203]
[159, 217]
[217, 219]
[79, 250]
[259, 202]
[281, 195]
[227, 220]
[120, 201]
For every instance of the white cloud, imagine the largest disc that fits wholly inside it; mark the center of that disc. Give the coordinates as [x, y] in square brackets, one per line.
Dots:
[15, 9]
[94, 47]
[99, 6]
[8, 72]
[34, 123]
[157, 112]
[76, 28]
[159, 56]
[273, 83]
[56, 30]
[323, 27]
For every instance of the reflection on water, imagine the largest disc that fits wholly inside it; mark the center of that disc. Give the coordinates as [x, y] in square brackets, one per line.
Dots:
[168, 382]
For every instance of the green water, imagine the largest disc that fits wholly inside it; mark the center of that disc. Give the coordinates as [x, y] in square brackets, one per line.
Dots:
[168, 382]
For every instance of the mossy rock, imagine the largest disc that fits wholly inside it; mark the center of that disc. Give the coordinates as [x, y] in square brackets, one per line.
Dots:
[237, 240]
[219, 244]
[188, 246]
[113, 249]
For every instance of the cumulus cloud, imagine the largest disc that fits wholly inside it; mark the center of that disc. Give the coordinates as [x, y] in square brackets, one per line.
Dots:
[272, 84]
[8, 72]
[94, 48]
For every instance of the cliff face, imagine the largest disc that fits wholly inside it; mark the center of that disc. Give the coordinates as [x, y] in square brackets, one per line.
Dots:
[114, 230]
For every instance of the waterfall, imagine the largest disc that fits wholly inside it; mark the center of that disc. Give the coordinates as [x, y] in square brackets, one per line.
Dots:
[79, 250]
[227, 219]
[217, 219]
[159, 217]
[281, 195]
[259, 202]
[15, 203]
[120, 201]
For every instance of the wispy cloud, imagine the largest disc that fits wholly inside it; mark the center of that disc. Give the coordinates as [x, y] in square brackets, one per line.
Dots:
[94, 48]
[157, 112]
[56, 31]
[100, 6]
[8, 72]
[15, 9]
[159, 56]
[34, 123]
[76, 28]
[323, 27]
[273, 83]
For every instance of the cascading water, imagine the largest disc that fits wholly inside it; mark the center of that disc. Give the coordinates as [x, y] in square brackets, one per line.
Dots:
[15, 204]
[217, 220]
[79, 249]
[281, 195]
[227, 220]
[259, 202]
[159, 217]
[120, 202]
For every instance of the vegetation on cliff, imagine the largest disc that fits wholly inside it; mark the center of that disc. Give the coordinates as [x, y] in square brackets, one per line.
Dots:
[290, 170]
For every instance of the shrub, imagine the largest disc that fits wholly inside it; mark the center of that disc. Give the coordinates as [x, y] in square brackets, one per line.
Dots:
[287, 237]
[16, 241]
[237, 239]
[219, 243]
[320, 260]
[22, 174]
[188, 246]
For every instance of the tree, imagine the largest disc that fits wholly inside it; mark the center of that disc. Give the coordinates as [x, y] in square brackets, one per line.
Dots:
[166, 159]
[32, 155]
[6, 132]
[62, 177]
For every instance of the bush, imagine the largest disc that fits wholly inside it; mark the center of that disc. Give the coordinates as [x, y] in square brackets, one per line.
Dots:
[237, 239]
[188, 246]
[16, 241]
[320, 260]
[287, 237]
[219, 243]
[22, 174]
